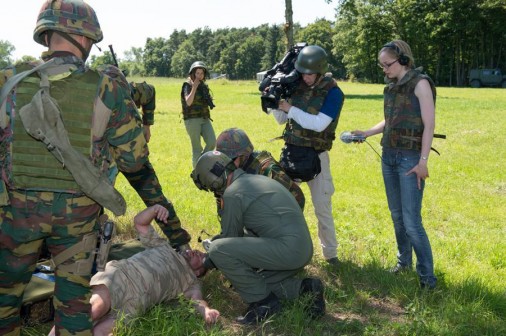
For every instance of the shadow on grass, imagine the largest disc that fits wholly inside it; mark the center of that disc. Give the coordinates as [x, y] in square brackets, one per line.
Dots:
[364, 96]
[376, 300]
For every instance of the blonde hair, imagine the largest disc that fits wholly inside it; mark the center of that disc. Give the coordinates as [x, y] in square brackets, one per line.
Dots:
[400, 50]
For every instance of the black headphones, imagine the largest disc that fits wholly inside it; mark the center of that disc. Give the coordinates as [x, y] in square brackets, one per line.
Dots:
[403, 59]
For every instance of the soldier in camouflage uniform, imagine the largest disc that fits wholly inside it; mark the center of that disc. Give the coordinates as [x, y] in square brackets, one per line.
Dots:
[120, 290]
[41, 200]
[145, 181]
[197, 102]
[408, 129]
[235, 143]
[310, 116]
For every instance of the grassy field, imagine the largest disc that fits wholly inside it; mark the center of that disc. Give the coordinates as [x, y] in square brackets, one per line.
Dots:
[464, 214]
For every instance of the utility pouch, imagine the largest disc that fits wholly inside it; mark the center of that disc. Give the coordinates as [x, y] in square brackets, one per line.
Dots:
[300, 163]
[82, 266]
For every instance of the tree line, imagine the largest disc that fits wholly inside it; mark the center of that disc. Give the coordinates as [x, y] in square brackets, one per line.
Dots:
[447, 37]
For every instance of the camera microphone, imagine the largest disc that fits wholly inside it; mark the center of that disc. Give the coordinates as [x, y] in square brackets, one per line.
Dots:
[348, 137]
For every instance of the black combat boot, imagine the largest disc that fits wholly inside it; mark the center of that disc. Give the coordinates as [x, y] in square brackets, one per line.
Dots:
[314, 287]
[259, 311]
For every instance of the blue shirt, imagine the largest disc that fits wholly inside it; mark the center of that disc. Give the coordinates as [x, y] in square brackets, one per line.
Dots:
[333, 103]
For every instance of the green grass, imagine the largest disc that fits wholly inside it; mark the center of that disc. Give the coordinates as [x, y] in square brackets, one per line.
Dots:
[464, 214]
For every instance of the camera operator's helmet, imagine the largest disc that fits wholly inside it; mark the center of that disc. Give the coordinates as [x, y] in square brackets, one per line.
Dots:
[211, 171]
[196, 65]
[234, 142]
[312, 60]
[67, 16]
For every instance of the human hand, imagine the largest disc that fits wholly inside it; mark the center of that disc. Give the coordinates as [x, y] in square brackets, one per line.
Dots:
[211, 315]
[284, 106]
[160, 213]
[196, 82]
[361, 134]
[147, 132]
[421, 171]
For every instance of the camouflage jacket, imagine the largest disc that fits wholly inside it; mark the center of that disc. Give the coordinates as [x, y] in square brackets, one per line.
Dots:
[144, 96]
[262, 163]
[107, 128]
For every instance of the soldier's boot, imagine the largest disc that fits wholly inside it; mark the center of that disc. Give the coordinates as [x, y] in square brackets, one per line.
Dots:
[261, 310]
[314, 287]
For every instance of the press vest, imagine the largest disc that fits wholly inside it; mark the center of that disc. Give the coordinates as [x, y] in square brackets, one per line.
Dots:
[199, 108]
[403, 120]
[33, 166]
[311, 101]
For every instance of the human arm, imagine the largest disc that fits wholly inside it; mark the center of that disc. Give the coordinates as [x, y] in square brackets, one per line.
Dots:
[329, 111]
[142, 221]
[280, 116]
[191, 96]
[194, 293]
[376, 129]
[117, 126]
[424, 94]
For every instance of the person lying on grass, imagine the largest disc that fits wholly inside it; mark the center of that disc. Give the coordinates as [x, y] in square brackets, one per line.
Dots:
[129, 287]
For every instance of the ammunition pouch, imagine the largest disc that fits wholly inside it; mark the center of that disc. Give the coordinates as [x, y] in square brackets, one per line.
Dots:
[82, 266]
[42, 120]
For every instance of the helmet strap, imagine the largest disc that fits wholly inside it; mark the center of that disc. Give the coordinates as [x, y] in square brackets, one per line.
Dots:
[85, 53]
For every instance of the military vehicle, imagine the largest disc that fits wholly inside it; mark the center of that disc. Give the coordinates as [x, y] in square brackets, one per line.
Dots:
[487, 77]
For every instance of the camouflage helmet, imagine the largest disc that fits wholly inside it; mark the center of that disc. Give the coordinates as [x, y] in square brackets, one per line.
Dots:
[211, 171]
[312, 60]
[234, 142]
[67, 16]
[196, 65]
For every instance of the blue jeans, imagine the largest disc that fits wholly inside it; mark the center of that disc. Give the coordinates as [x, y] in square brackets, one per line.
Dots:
[405, 204]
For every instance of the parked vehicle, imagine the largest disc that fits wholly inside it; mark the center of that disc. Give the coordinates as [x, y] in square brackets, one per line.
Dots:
[487, 77]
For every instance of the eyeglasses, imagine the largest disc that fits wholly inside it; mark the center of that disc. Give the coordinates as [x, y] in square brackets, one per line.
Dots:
[387, 65]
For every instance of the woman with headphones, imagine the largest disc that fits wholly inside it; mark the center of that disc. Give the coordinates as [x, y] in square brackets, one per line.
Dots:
[408, 129]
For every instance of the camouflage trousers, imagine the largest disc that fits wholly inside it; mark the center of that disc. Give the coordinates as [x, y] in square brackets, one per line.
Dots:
[61, 220]
[146, 183]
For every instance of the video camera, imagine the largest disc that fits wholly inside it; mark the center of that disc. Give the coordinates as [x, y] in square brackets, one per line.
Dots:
[281, 80]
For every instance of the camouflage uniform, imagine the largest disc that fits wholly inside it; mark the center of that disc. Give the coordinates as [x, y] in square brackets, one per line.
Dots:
[40, 200]
[145, 182]
[159, 268]
[235, 142]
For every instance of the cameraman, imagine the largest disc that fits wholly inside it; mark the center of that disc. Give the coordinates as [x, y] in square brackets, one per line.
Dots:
[197, 102]
[311, 115]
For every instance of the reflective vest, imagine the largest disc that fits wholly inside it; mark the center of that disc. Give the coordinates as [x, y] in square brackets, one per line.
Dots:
[311, 101]
[403, 120]
[200, 106]
[32, 165]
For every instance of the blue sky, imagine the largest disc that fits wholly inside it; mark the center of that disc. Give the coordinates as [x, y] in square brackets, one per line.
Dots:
[127, 23]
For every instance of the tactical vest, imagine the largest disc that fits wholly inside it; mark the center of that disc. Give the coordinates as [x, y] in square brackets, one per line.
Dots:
[311, 101]
[403, 120]
[33, 166]
[199, 108]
